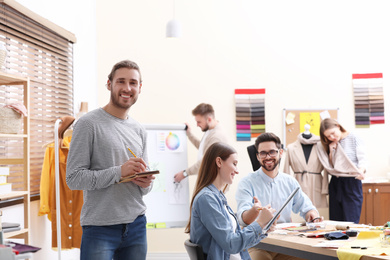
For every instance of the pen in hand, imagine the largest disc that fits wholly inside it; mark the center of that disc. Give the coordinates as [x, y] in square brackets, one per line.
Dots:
[131, 152]
[147, 167]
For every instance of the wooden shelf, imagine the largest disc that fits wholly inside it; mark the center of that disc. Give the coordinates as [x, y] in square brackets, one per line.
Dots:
[12, 161]
[9, 79]
[13, 195]
[13, 136]
[16, 234]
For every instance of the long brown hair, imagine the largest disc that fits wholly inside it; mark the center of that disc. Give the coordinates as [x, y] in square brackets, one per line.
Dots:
[208, 171]
[328, 123]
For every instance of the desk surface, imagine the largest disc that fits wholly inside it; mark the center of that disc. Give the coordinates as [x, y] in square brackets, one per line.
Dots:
[303, 247]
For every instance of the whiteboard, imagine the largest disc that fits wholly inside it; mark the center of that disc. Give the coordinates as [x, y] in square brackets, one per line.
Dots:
[168, 202]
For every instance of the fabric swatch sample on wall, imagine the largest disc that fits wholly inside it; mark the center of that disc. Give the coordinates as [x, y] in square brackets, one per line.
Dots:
[250, 113]
[368, 99]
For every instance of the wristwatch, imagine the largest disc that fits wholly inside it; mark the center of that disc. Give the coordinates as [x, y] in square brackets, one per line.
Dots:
[185, 174]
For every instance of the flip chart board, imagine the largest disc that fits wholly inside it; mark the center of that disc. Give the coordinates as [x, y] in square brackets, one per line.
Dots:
[168, 202]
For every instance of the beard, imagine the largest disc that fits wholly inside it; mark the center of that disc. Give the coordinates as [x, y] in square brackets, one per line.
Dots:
[206, 128]
[271, 168]
[115, 102]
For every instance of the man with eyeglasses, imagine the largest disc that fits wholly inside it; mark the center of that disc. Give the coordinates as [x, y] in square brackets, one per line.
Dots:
[267, 186]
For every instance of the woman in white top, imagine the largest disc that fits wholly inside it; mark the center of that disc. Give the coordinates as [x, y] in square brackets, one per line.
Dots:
[345, 193]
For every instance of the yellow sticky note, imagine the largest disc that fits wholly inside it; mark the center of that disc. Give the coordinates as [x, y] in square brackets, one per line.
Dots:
[161, 225]
[150, 225]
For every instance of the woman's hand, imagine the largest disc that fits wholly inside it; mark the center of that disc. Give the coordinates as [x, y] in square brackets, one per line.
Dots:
[266, 214]
[333, 146]
[362, 174]
[273, 226]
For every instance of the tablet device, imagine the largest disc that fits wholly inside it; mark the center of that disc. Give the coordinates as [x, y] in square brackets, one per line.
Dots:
[139, 174]
[268, 226]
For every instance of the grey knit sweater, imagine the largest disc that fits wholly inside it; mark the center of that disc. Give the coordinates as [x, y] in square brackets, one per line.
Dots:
[98, 149]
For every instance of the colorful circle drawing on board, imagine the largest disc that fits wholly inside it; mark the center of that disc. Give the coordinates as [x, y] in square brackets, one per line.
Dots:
[172, 141]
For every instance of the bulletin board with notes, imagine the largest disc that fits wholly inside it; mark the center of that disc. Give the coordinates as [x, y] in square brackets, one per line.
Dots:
[294, 121]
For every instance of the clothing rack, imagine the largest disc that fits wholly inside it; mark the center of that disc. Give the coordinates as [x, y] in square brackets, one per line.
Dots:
[59, 133]
[57, 183]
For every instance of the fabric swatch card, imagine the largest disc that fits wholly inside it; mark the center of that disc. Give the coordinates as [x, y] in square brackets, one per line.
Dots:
[368, 99]
[250, 114]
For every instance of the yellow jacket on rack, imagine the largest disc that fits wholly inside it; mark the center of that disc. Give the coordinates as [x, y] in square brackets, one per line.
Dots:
[70, 201]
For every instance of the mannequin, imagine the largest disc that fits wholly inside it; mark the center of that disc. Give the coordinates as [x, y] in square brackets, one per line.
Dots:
[307, 147]
[301, 157]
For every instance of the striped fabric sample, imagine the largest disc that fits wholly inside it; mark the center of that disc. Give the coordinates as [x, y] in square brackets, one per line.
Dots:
[369, 101]
[250, 115]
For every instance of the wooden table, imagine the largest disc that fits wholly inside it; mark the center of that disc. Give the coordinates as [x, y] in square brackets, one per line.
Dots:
[303, 247]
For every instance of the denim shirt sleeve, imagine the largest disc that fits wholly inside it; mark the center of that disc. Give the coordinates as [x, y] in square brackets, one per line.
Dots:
[244, 198]
[214, 217]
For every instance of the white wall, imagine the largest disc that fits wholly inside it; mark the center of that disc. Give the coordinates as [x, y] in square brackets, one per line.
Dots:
[303, 52]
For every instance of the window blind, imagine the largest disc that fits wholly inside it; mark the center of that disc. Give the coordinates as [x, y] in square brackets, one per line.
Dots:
[42, 51]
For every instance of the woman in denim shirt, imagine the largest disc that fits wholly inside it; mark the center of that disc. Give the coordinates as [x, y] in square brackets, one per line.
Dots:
[213, 224]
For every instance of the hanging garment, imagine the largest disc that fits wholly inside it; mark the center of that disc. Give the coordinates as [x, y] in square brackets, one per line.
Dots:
[70, 201]
[309, 175]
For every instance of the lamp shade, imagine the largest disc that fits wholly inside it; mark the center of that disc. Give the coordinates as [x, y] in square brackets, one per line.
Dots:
[173, 29]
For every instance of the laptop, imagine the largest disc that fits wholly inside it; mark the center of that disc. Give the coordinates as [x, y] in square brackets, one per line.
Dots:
[268, 226]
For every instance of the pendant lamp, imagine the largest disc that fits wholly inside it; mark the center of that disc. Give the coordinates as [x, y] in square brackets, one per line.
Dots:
[173, 29]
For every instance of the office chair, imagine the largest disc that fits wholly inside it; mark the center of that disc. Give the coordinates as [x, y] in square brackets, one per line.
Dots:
[253, 156]
[195, 251]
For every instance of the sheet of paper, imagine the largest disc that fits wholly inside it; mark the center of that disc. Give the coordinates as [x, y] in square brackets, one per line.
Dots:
[325, 114]
[287, 225]
[329, 244]
[290, 118]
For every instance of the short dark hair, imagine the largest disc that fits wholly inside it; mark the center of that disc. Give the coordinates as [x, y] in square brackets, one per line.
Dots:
[124, 64]
[268, 137]
[203, 109]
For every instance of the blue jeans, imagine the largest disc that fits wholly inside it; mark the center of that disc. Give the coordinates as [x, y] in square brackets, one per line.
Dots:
[118, 242]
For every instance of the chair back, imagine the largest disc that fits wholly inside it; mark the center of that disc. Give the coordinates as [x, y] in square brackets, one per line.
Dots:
[252, 152]
[195, 251]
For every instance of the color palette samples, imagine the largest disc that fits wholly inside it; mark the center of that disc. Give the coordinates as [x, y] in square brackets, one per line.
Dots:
[250, 114]
[369, 101]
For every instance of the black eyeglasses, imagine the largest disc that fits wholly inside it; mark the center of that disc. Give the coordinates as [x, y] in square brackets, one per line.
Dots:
[271, 153]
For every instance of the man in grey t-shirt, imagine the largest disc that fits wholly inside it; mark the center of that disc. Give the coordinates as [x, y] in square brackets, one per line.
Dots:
[112, 217]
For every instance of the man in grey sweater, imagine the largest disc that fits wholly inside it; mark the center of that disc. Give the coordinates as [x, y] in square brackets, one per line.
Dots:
[112, 216]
